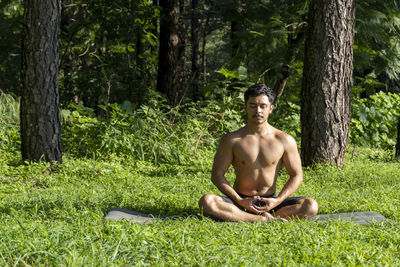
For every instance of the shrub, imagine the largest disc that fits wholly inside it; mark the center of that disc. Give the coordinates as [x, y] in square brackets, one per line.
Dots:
[286, 117]
[9, 122]
[155, 132]
[374, 120]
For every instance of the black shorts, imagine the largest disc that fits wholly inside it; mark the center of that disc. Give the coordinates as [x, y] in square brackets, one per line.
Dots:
[287, 202]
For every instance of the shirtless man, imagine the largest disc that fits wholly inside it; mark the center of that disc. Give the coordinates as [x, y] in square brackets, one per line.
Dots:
[257, 151]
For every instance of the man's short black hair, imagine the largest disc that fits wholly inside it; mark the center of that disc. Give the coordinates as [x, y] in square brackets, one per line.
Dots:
[259, 89]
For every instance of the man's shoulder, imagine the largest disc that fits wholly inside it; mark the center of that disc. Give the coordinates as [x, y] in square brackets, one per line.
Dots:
[233, 136]
[285, 138]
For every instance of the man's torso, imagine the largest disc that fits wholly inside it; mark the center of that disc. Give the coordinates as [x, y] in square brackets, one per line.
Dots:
[257, 160]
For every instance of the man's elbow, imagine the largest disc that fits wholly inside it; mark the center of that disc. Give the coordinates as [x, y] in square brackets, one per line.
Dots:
[216, 179]
[298, 178]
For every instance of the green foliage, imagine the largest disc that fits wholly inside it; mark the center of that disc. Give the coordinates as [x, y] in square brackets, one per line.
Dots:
[144, 135]
[109, 51]
[377, 39]
[367, 85]
[265, 36]
[155, 132]
[286, 117]
[11, 13]
[9, 122]
[231, 89]
[374, 120]
[159, 133]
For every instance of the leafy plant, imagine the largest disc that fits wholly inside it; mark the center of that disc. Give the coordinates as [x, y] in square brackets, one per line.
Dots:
[374, 120]
[154, 132]
[9, 122]
[286, 117]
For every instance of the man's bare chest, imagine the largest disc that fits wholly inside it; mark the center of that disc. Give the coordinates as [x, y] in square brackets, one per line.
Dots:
[259, 153]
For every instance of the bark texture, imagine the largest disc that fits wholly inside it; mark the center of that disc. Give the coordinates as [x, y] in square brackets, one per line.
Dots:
[40, 115]
[327, 75]
[203, 51]
[194, 39]
[170, 65]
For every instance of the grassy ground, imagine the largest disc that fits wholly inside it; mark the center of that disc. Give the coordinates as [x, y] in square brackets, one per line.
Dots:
[57, 218]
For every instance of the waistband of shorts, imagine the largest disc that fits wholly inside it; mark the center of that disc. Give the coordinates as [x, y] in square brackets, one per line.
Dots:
[268, 196]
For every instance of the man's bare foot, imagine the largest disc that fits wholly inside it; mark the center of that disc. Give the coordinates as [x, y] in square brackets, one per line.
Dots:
[282, 219]
[268, 217]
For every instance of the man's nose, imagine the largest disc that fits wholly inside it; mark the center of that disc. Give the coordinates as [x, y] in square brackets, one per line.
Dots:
[259, 109]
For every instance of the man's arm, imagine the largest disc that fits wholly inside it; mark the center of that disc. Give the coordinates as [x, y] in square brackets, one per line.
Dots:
[291, 161]
[222, 160]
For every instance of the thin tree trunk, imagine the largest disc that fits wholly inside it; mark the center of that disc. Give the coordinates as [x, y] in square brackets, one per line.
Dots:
[238, 49]
[66, 66]
[203, 52]
[194, 38]
[293, 50]
[138, 70]
[170, 69]
[326, 88]
[40, 115]
[182, 81]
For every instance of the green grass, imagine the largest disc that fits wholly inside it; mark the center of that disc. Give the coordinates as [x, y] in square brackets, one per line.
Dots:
[57, 219]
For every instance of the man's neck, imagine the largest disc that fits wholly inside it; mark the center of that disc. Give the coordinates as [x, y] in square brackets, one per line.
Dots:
[260, 129]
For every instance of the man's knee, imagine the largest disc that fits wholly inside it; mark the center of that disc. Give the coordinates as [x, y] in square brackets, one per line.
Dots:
[310, 206]
[207, 202]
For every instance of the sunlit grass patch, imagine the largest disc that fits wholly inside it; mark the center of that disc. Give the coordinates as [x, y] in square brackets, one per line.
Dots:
[58, 218]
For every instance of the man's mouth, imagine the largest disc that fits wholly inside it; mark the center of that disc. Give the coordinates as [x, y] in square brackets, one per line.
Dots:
[258, 116]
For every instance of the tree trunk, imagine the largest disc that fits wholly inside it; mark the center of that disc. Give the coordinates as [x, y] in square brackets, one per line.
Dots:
[194, 39]
[170, 69]
[67, 92]
[397, 154]
[203, 52]
[40, 115]
[290, 58]
[237, 49]
[326, 88]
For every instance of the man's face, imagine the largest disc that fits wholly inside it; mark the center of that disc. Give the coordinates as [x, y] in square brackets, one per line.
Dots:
[258, 109]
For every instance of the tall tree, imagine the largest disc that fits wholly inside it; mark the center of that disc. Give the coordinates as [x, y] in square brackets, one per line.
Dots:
[238, 29]
[194, 40]
[170, 65]
[40, 115]
[327, 76]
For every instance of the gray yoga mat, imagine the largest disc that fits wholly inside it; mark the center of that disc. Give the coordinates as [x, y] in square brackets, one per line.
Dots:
[360, 217]
[118, 214]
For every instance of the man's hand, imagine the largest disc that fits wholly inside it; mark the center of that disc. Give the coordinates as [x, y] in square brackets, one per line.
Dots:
[248, 203]
[270, 203]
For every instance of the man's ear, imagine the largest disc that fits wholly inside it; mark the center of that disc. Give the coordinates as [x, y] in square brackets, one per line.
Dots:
[272, 107]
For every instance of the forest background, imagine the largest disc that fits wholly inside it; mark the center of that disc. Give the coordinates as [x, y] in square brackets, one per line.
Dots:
[109, 54]
[128, 142]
